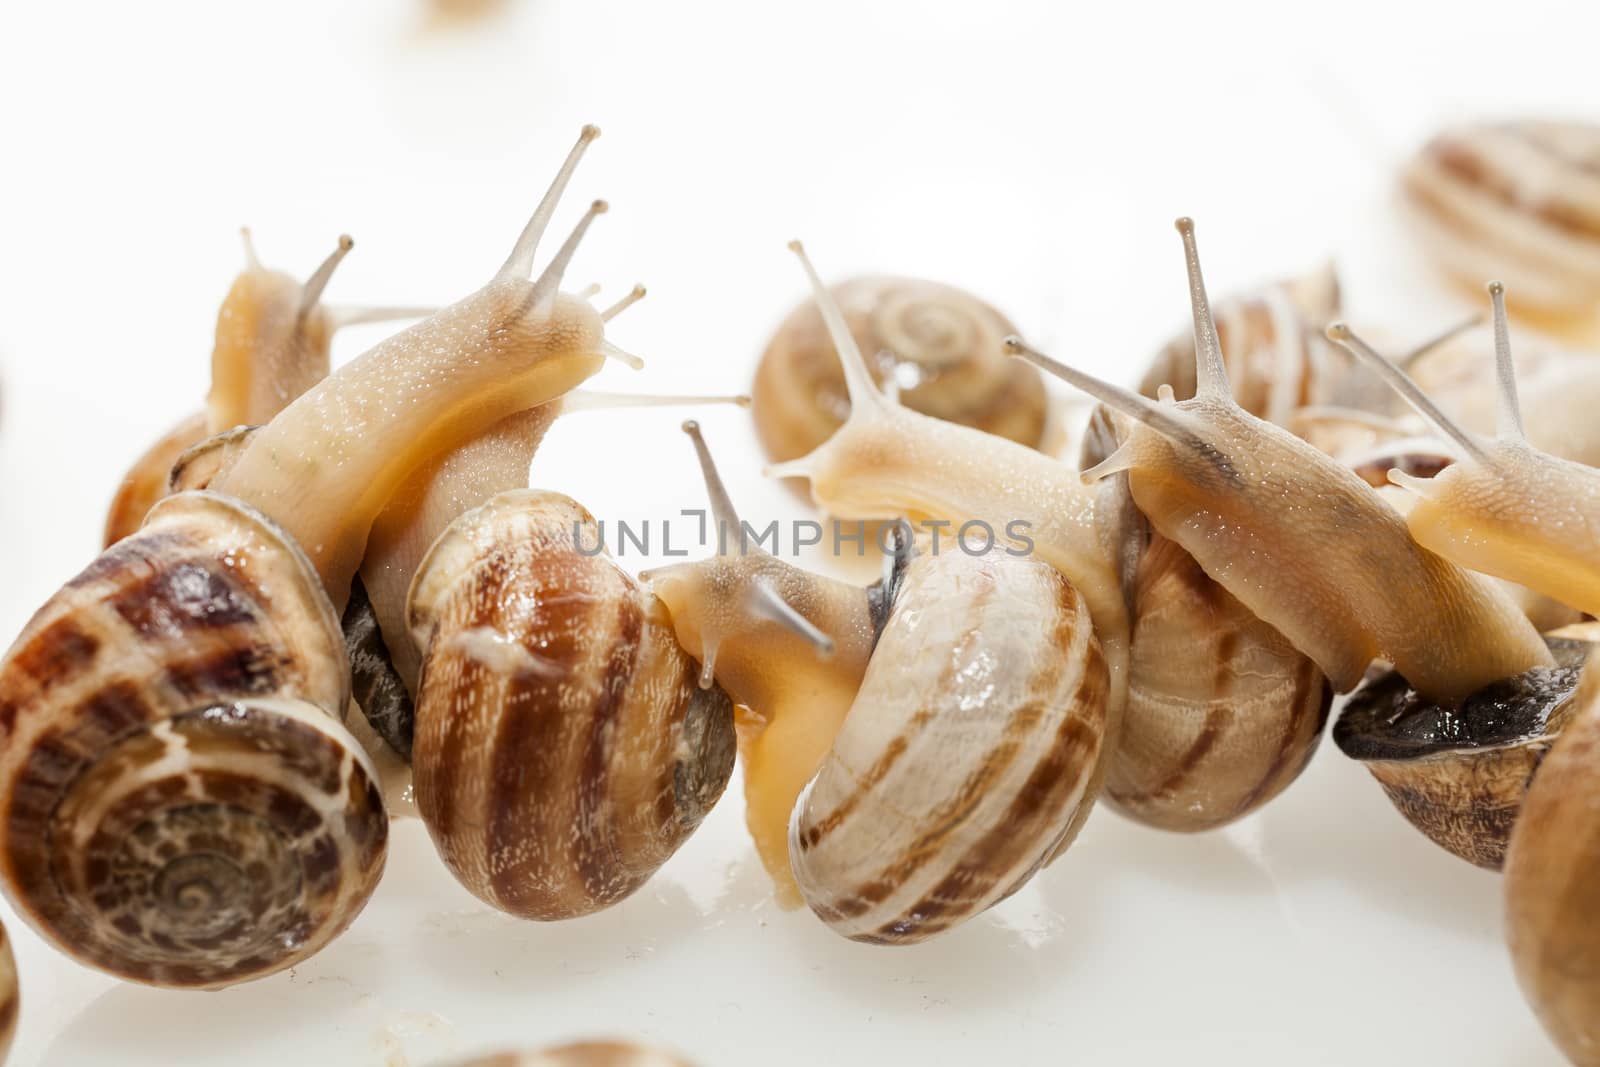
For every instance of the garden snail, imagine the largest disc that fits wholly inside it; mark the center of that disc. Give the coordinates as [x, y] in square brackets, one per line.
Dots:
[563, 750]
[1515, 200]
[582, 1054]
[10, 996]
[917, 749]
[1551, 869]
[184, 691]
[888, 462]
[937, 346]
[1503, 508]
[1302, 542]
[271, 345]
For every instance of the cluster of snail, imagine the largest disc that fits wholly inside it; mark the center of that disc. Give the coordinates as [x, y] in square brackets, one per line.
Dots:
[191, 801]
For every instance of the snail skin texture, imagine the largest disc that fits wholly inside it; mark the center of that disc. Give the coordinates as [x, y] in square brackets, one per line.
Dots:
[939, 347]
[889, 462]
[1300, 540]
[1518, 201]
[182, 806]
[272, 340]
[1552, 868]
[563, 749]
[582, 1054]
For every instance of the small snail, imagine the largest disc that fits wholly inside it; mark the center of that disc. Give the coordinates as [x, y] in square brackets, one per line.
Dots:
[1515, 200]
[928, 761]
[888, 462]
[10, 995]
[1301, 541]
[563, 750]
[1551, 870]
[935, 345]
[582, 1054]
[168, 721]
[271, 345]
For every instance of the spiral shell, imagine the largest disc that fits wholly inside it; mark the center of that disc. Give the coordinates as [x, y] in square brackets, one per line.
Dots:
[182, 806]
[582, 1054]
[1518, 201]
[1551, 870]
[939, 344]
[562, 749]
[967, 754]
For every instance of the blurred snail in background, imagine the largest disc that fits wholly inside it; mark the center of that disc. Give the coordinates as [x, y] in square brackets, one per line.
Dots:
[889, 462]
[1518, 201]
[1551, 869]
[933, 345]
[582, 1054]
[272, 341]
[10, 995]
[1507, 509]
[915, 750]
[170, 717]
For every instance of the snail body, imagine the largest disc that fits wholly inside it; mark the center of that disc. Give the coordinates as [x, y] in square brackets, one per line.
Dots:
[563, 750]
[1551, 868]
[936, 345]
[1518, 201]
[184, 807]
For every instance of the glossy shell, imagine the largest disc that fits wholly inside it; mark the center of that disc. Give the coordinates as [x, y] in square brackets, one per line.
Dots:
[582, 1054]
[943, 347]
[1223, 713]
[1517, 201]
[1552, 869]
[968, 752]
[563, 749]
[1459, 774]
[146, 481]
[181, 806]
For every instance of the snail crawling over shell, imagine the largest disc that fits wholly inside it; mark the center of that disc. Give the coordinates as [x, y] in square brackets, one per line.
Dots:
[915, 750]
[937, 347]
[183, 806]
[273, 335]
[1505, 508]
[1519, 201]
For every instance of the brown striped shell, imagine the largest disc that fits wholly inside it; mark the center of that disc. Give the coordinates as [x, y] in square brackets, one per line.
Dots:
[940, 345]
[1518, 201]
[968, 753]
[562, 750]
[10, 995]
[582, 1054]
[179, 804]
[1552, 869]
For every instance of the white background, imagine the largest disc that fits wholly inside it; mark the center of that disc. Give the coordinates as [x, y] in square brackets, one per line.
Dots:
[1033, 153]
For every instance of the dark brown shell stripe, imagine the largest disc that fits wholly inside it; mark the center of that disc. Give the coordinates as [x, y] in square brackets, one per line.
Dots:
[1468, 158]
[999, 823]
[563, 748]
[178, 805]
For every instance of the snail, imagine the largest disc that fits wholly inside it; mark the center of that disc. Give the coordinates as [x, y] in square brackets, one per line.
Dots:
[915, 750]
[936, 346]
[271, 345]
[889, 462]
[10, 995]
[1515, 200]
[563, 750]
[582, 1054]
[1551, 869]
[1301, 541]
[1505, 508]
[169, 719]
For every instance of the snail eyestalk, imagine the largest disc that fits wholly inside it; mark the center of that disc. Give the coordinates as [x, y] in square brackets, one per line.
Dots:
[1509, 424]
[312, 292]
[633, 297]
[858, 380]
[1167, 422]
[520, 263]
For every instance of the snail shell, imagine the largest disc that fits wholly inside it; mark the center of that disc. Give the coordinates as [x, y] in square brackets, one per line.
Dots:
[1519, 201]
[966, 756]
[582, 1054]
[1551, 870]
[941, 346]
[10, 995]
[563, 750]
[182, 806]
[1459, 774]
